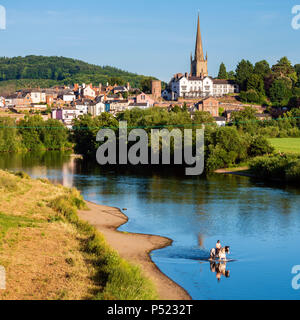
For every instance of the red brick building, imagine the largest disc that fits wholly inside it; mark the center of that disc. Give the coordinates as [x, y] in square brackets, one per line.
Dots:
[210, 105]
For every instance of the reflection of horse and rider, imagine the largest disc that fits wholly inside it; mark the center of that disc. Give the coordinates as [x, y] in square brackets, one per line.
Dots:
[219, 253]
[219, 269]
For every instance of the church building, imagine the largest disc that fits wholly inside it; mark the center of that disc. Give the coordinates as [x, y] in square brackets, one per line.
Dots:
[197, 83]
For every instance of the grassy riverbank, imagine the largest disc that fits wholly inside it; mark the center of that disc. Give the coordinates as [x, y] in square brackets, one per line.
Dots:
[49, 253]
[286, 145]
[273, 167]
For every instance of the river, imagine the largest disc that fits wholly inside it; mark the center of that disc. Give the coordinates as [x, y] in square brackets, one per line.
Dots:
[260, 222]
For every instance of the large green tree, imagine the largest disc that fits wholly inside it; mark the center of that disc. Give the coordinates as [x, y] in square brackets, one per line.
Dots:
[247, 114]
[222, 72]
[279, 91]
[231, 75]
[262, 68]
[256, 83]
[284, 69]
[243, 72]
[38, 134]
[10, 139]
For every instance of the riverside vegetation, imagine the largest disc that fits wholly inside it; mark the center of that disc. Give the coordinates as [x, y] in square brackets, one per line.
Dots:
[234, 145]
[49, 253]
[277, 167]
[33, 134]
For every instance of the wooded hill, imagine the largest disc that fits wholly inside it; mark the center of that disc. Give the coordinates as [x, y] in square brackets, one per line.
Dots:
[32, 71]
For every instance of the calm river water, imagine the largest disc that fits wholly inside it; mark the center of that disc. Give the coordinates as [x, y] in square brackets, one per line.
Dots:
[260, 222]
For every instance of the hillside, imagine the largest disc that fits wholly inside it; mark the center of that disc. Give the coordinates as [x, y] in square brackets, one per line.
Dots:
[30, 71]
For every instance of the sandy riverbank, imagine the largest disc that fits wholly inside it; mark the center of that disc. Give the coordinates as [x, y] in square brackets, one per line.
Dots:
[241, 171]
[135, 248]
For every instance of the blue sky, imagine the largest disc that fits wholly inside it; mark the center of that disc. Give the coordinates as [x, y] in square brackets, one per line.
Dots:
[151, 37]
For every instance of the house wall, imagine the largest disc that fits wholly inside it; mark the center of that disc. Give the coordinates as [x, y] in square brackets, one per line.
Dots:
[144, 98]
[68, 98]
[97, 109]
[210, 105]
[89, 92]
[199, 88]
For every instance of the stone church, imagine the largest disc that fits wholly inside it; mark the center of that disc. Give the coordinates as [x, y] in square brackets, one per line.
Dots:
[197, 83]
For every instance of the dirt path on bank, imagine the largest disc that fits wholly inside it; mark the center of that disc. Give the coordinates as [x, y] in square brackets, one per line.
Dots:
[135, 248]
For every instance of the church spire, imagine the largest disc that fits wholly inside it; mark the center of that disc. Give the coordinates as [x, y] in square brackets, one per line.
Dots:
[199, 63]
[199, 47]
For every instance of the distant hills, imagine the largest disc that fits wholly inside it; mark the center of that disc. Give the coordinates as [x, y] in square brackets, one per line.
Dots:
[32, 71]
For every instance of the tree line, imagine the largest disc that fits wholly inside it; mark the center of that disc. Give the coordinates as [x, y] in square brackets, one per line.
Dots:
[244, 139]
[224, 146]
[277, 85]
[33, 134]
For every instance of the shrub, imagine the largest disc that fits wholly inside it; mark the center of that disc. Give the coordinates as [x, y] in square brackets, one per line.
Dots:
[283, 133]
[293, 172]
[22, 175]
[279, 167]
[260, 146]
[269, 132]
[294, 132]
[250, 96]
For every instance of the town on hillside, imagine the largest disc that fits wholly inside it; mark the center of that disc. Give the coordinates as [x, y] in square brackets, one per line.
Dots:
[195, 91]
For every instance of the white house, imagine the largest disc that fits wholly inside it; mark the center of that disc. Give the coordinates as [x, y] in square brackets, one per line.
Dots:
[69, 97]
[186, 86]
[221, 121]
[88, 92]
[116, 106]
[96, 109]
[67, 115]
[83, 107]
[38, 97]
[138, 105]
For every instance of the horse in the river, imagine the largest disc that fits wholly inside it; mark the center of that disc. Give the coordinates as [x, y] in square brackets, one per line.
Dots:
[219, 254]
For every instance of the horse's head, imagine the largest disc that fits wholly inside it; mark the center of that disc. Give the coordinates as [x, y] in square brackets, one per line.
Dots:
[227, 249]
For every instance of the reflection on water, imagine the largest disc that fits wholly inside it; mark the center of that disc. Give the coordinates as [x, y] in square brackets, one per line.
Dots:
[259, 221]
[220, 269]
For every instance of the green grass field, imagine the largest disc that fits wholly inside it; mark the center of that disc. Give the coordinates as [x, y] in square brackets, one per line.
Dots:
[286, 145]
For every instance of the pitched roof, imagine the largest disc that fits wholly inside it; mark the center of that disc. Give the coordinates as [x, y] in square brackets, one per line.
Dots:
[120, 88]
[220, 119]
[138, 104]
[223, 81]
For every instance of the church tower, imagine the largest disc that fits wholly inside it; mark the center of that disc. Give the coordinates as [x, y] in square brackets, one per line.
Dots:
[199, 64]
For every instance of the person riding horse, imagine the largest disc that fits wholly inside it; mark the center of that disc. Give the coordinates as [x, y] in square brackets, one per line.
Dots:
[219, 252]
